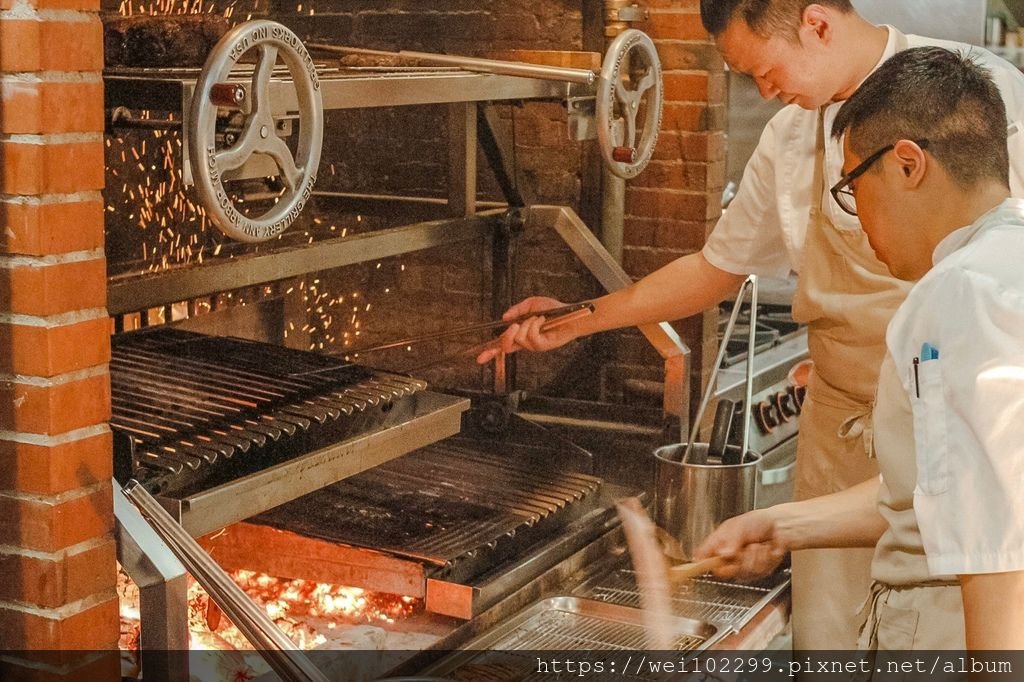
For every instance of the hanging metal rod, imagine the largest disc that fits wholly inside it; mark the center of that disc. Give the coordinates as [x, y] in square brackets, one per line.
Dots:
[526, 70]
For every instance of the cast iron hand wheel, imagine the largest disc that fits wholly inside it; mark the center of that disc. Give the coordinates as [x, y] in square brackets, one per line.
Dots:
[631, 72]
[210, 161]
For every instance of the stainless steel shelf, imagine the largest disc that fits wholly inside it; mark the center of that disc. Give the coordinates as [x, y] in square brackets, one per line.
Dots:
[353, 88]
[132, 293]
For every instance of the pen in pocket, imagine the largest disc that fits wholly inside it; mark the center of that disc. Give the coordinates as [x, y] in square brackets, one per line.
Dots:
[917, 383]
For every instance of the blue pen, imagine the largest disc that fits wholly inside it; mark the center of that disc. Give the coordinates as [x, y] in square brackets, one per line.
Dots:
[929, 352]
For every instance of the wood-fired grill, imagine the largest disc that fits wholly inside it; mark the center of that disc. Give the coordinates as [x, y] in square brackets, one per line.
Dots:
[280, 445]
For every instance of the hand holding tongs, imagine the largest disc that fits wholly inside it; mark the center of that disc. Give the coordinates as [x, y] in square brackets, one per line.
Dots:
[727, 456]
[556, 318]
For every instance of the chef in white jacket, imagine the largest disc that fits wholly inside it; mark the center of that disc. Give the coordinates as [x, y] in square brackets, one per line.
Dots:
[927, 172]
[812, 56]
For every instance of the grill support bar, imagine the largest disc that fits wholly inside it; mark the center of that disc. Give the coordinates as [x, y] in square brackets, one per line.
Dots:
[272, 644]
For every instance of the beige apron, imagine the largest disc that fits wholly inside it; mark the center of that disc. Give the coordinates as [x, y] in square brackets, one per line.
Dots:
[846, 296]
[907, 608]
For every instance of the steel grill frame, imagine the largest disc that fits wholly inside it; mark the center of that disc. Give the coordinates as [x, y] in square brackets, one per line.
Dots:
[550, 628]
[204, 511]
[183, 403]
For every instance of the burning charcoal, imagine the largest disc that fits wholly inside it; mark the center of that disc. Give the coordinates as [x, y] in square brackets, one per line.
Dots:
[166, 41]
[213, 615]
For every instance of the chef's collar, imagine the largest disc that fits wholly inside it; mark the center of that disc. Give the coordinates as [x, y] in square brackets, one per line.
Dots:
[888, 52]
[1009, 211]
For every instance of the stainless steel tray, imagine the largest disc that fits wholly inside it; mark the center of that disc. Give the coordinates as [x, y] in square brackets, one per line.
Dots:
[564, 624]
[727, 605]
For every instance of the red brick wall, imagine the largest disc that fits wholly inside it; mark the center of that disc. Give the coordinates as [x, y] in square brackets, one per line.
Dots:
[57, 557]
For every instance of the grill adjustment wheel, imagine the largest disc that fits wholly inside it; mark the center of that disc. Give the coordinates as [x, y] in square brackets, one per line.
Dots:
[209, 162]
[630, 74]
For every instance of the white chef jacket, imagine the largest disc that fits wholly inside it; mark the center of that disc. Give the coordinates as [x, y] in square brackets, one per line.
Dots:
[763, 231]
[968, 404]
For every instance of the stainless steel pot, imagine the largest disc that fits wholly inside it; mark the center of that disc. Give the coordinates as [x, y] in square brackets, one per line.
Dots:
[691, 500]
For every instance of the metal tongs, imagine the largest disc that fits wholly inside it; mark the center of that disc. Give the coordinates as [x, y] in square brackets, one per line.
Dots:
[750, 282]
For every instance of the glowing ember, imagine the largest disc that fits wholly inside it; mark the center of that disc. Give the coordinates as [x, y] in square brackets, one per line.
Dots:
[308, 612]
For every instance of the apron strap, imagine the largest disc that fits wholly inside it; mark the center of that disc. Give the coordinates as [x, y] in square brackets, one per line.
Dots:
[859, 425]
[818, 182]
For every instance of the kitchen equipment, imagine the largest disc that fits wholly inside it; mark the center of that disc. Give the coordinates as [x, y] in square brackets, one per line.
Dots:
[262, 97]
[485, 517]
[566, 623]
[693, 492]
[691, 500]
[556, 318]
[720, 431]
[751, 283]
[727, 605]
[780, 376]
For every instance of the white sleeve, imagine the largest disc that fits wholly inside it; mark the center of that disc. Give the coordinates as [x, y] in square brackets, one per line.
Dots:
[748, 239]
[972, 521]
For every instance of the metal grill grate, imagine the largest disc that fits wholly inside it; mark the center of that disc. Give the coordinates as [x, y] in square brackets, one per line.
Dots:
[562, 630]
[190, 411]
[592, 630]
[702, 599]
[447, 502]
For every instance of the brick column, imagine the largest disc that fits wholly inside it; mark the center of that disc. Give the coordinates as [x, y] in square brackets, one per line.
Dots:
[57, 555]
[672, 206]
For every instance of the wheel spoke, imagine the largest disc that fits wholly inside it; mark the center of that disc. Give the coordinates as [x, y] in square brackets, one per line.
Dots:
[276, 148]
[646, 83]
[261, 79]
[233, 157]
[630, 140]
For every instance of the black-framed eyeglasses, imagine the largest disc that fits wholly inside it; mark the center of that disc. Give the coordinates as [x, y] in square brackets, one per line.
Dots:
[843, 193]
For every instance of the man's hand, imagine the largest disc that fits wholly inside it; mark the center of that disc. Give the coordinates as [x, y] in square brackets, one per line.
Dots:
[528, 335]
[749, 544]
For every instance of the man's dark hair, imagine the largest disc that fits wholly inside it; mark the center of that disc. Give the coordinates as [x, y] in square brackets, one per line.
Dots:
[945, 97]
[764, 17]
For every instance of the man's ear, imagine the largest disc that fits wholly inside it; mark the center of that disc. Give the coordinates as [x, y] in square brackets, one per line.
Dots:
[817, 20]
[910, 162]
